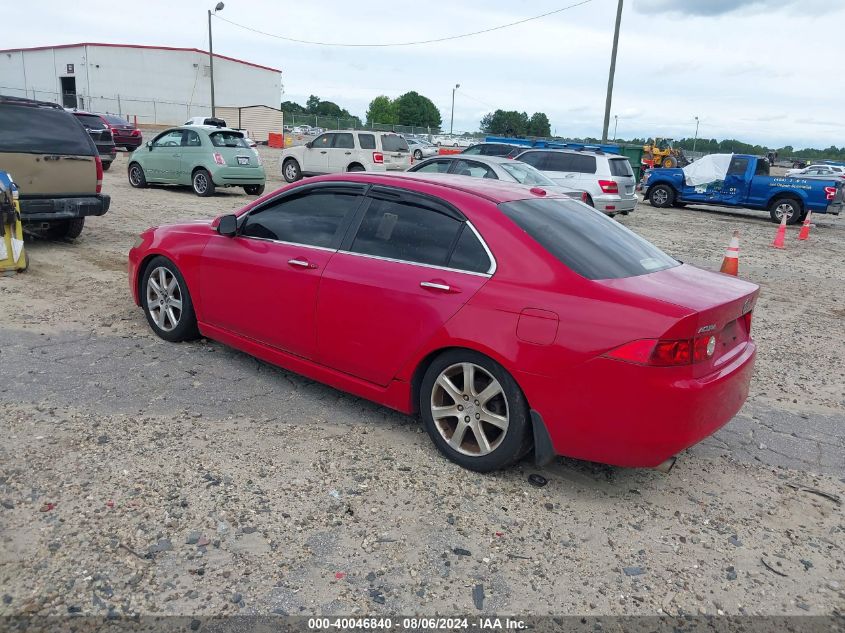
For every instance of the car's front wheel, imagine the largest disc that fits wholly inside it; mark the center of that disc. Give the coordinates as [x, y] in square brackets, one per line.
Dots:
[137, 178]
[474, 411]
[291, 171]
[167, 303]
[202, 183]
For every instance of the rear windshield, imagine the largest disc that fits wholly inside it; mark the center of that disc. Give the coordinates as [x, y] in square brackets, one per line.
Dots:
[585, 240]
[91, 121]
[620, 167]
[525, 174]
[42, 131]
[227, 139]
[393, 143]
[115, 120]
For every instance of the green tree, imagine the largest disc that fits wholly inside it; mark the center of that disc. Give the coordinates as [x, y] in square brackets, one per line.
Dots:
[505, 122]
[538, 125]
[412, 108]
[313, 104]
[381, 110]
[291, 107]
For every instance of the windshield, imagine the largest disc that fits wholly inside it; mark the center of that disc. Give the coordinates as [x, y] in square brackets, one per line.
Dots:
[585, 240]
[525, 174]
[227, 139]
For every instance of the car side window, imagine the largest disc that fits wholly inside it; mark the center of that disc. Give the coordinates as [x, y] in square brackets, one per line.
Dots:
[434, 167]
[191, 139]
[469, 253]
[324, 141]
[315, 218]
[169, 139]
[474, 150]
[583, 164]
[558, 162]
[474, 169]
[344, 141]
[738, 166]
[762, 168]
[535, 159]
[367, 141]
[406, 231]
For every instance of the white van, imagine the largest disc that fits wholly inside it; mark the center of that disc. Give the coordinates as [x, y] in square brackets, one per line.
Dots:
[345, 150]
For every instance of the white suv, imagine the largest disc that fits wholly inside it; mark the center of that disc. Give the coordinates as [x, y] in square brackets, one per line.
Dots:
[607, 178]
[338, 151]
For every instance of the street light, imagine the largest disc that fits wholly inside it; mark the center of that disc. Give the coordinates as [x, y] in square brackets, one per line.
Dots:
[217, 8]
[696, 135]
[452, 122]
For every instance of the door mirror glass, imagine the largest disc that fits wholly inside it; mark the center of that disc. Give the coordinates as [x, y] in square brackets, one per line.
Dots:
[149, 145]
[228, 225]
[309, 145]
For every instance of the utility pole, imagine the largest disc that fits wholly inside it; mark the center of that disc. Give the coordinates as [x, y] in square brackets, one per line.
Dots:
[452, 122]
[695, 139]
[217, 8]
[615, 123]
[612, 72]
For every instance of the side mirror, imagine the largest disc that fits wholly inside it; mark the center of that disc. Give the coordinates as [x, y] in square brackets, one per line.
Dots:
[150, 145]
[309, 144]
[228, 225]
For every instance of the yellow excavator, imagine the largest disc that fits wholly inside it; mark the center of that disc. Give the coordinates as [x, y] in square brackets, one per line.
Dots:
[661, 153]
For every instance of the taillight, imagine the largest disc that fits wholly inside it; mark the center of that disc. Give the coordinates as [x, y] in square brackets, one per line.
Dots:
[258, 158]
[747, 317]
[665, 353]
[136, 132]
[378, 157]
[99, 164]
[609, 186]
[218, 158]
[412, 159]
[830, 192]
[584, 196]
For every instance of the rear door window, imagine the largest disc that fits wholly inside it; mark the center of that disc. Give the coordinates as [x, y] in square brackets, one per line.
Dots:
[585, 240]
[469, 253]
[367, 141]
[344, 141]
[555, 161]
[620, 167]
[42, 131]
[738, 166]
[393, 143]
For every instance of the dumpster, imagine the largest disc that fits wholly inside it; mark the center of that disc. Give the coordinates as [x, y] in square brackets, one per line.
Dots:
[12, 255]
[634, 154]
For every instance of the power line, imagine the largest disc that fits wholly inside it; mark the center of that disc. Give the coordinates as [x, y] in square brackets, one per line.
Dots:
[415, 43]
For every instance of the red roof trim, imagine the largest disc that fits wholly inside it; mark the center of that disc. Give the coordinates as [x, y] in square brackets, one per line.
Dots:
[159, 48]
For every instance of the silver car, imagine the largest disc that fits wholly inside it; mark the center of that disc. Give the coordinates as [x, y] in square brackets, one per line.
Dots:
[495, 168]
[421, 148]
[607, 178]
[818, 172]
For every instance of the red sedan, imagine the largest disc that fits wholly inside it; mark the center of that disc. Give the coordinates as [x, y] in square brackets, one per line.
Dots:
[505, 317]
[124, 133]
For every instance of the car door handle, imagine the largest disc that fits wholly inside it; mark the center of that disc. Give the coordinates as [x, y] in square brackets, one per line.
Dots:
[302, 263]
[323, 151]
[347, 153]
[436, 285]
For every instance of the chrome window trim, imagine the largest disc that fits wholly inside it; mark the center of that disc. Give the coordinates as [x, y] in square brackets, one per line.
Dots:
[490, 271]
[284, 243]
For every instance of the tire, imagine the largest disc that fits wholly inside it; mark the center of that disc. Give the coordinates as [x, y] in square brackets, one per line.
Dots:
[137, 178]
[291, 171]
[356, 168]
[66, 229]
[661, 196]
[202, 183]
[670, 162]
[106, 165]
[790, 206]
[506, 445]
[171, 322]
[417, 154]
[589, 201]
[254, 190]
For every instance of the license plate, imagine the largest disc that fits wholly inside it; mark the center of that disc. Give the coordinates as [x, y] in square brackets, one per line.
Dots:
[629, 189]
[243, 160]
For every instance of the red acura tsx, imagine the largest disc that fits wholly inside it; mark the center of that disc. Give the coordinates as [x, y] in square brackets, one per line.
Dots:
[507, 318]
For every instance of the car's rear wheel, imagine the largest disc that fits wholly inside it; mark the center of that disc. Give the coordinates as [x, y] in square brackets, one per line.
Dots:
[202, 183]
[66, 229]
[106, 165]
[254, 190]
[167, 303]
[356, 167]
[417, 154]
[788, 207]
[137, 178]
[474, 411]
[661, 196]
[291, 171]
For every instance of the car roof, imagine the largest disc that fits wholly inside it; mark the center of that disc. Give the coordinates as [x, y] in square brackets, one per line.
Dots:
[479, 158]
[580, 152]
[209, 128]
[496, 191]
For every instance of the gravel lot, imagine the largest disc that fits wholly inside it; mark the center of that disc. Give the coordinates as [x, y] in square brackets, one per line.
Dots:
[141, 477]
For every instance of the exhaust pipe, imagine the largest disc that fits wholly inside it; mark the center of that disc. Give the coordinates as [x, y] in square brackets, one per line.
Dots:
[666, 466]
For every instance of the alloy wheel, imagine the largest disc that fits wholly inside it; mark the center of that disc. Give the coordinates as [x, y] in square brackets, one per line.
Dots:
[200, 182]
[470, 409]
[784, 209]
[660, 197]
[135, 175]
[164, 298]
[290, 171]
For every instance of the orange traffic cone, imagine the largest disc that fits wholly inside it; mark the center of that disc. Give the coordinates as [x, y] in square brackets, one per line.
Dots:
[730, 264]
[805, 228]
[780, 236]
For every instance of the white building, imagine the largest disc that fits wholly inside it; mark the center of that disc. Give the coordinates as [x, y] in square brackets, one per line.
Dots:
[156, 84]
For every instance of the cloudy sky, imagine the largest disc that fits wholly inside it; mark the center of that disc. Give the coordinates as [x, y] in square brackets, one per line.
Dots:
[764, 71]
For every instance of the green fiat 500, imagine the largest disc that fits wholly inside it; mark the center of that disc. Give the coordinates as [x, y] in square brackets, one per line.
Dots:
[203, 157]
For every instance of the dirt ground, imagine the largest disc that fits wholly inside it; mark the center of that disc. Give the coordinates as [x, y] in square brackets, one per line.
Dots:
[141, 477]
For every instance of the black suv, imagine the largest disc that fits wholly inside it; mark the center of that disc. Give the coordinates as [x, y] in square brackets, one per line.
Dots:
[55, 164]
[101, 133]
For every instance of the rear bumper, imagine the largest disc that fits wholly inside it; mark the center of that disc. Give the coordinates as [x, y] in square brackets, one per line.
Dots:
[653, 414]
[45, 209]
[239, 176]
[619, 203]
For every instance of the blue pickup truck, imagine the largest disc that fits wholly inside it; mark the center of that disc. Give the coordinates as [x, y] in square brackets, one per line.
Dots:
[747, 184]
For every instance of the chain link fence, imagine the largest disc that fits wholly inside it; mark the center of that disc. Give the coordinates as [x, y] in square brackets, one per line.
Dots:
[300, 119]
